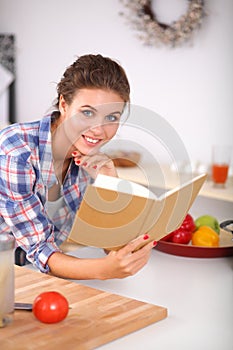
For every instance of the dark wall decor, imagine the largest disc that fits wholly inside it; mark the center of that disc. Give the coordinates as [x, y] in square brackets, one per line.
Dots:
[7, 59]
[151, 32]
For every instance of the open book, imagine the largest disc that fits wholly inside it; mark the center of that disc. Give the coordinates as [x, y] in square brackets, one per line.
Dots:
[115, 211]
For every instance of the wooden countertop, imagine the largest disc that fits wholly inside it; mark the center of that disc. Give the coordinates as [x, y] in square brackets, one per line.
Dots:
[95, 317]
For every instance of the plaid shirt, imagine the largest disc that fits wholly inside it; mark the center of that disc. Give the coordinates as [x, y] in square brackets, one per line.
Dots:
[26, 174]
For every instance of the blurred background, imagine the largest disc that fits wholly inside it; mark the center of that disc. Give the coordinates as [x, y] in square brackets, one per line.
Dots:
[190, 86]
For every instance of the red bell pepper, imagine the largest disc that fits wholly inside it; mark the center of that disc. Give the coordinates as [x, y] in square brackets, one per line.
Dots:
[183, 234]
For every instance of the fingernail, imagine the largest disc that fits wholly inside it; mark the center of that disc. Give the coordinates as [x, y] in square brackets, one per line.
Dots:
[78, 162]
[155, 243]
[146, 237]
[75, 153]
[85, 164]
[94, 167]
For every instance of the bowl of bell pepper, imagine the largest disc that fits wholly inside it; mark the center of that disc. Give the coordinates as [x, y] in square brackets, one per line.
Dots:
[200, 238]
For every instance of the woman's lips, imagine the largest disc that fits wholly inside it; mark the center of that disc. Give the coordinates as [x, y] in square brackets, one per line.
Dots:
[91, 141]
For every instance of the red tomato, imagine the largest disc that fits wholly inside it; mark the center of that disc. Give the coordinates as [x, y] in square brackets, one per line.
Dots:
[50, 307]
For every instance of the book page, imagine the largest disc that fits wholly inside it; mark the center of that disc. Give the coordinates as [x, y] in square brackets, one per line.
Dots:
[174, 205]
[123, 186]
[179, 187]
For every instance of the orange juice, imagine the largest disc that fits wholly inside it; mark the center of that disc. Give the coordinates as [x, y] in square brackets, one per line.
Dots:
[219, 173]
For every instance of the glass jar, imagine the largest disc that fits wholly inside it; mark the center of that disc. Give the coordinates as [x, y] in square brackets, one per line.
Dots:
[7, 288]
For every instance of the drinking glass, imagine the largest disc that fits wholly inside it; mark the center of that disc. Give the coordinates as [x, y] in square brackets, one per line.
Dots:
[7, 244]
[221, 156]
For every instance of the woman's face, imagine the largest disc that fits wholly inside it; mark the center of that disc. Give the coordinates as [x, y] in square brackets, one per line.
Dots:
[91, 120]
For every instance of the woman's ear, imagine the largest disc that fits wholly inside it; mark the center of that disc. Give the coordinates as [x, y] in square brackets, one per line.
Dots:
[62, 104]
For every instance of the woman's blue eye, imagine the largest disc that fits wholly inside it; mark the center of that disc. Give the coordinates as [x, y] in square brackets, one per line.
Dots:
[112, 118]
[87, 113]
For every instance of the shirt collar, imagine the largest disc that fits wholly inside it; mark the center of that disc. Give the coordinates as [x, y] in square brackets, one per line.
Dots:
[46, 157]
[45, 151]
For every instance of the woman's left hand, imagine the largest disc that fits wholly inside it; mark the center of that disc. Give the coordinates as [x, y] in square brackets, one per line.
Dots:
[98, 163]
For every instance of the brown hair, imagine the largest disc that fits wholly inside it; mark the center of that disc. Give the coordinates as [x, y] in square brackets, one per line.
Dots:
[93, 71]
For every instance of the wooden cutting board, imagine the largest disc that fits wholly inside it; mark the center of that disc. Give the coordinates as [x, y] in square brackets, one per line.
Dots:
[95, 317]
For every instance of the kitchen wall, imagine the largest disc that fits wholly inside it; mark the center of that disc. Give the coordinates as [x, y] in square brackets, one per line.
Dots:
[190, 86]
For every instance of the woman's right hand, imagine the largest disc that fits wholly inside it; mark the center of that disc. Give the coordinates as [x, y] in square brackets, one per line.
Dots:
[95, 164]
[117, 264]
[127, 261]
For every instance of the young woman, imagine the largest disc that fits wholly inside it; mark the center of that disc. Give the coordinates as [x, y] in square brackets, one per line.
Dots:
[46, 165]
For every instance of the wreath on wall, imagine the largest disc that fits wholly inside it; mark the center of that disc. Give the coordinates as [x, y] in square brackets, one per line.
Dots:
[152, 32]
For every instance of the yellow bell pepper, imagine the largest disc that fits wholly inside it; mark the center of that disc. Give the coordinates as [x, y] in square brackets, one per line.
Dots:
[205, 236]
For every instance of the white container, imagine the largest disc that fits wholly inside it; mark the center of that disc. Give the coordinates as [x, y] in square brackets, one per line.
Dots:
[7, 288]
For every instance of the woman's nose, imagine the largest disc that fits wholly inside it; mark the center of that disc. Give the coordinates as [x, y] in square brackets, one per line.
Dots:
[97, 129]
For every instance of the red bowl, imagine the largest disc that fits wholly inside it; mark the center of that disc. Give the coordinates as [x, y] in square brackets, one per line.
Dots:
[225, 248]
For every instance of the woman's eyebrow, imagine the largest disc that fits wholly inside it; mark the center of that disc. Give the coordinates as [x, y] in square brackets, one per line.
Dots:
[116, 112]
[88, 106]
[94, 109]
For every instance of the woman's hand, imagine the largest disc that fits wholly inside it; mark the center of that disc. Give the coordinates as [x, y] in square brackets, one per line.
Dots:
[98, 163]
[128, 260]
[117, 264]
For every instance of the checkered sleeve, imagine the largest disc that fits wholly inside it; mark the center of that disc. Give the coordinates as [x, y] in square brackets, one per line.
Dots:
[23, 211]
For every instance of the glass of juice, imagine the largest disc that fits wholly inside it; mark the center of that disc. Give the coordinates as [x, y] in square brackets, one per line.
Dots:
[221, 156]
